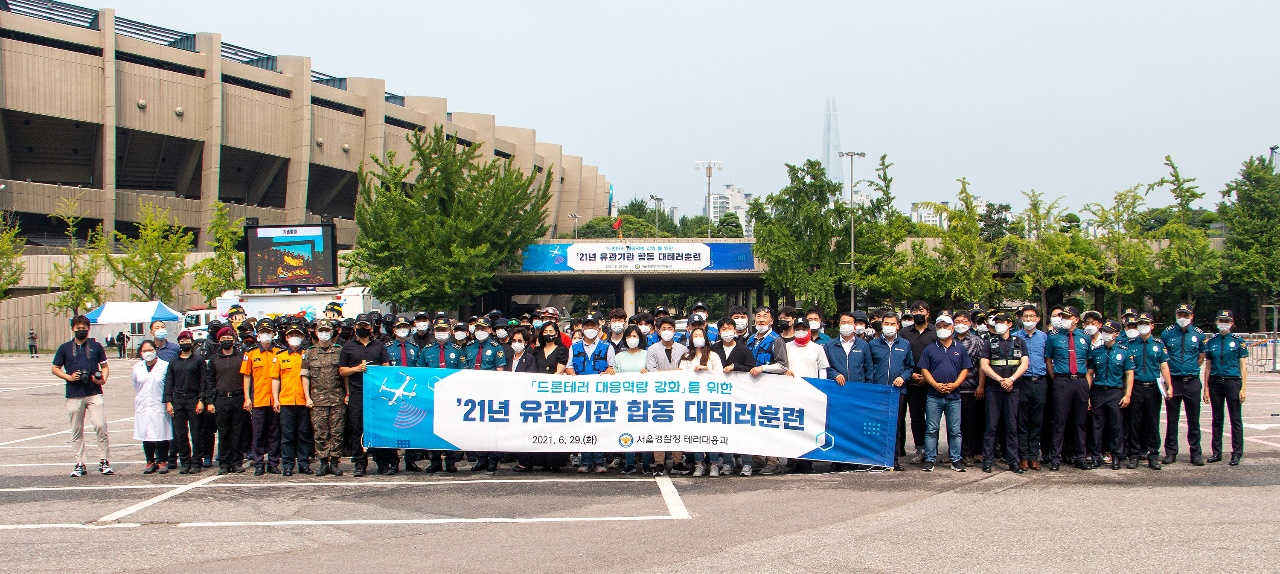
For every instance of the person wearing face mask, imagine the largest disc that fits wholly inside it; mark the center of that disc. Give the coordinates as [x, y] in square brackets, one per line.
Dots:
[734, 357]
[665, 356]
[590, 356]
[228, 386]
[82, 364]
[1004, 362]
[767, 347]
[1151, 365]
[165, 349]
[353, 361]
[920, 334]
[456, 348]
[184, 399]
[807, 359]
[1186, 344]
[741, 318]
[860, 328]
[704, 316]
[325, 393]
[1092, 326]
[1110, 390]
[1067, 353]
[644, 322]
[502, 331]
[848, 356]
[265, 421]
[617, 326]
[700, 358]
[485, 354]
[973, 419]
[1226, 354]
[421, 335]
[401, 349]
[945, 366]
[813, 320]
[290, 404]
[152, 425]
[980, 327]
[1032, 389]
[892, 363]
[521, 359]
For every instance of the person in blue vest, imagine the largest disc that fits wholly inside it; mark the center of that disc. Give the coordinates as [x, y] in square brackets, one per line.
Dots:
[1227, 355]
[1004, 361]
[813, 318]
[701, 311]
[849, 358]
[1186, 345]
[591, 356]
[892, 363]
[1067, 354]
[769, 350]
[1110, 389]
[1150, 366]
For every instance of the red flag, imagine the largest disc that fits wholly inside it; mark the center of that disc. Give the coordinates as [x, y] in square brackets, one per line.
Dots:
[618, 224]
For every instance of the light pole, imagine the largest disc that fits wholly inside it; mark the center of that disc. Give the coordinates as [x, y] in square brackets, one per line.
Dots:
[709, 166]
[1273, 157]
[853, 290]
[574, 217]
[656, 211]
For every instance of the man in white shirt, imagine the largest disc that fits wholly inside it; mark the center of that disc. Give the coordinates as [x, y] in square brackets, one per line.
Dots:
[806, 358]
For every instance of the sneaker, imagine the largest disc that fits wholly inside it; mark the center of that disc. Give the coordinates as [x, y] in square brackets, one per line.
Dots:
[715, 470]
[659, 469]
[616, 462]
[629, 469]
[600, 469]
[79, 470]
[918, 458]
[699, 469]
[582, 470]
[726, 469]
[957, 465]
[769, 469]
[746, 470]
[928, 466]
[575, 460]
[104, 468]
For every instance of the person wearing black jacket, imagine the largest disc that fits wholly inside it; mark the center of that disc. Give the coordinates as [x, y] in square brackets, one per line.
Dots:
[184, 399]
[918, 331]
[736, 357]
[522, 357]
[225, 384]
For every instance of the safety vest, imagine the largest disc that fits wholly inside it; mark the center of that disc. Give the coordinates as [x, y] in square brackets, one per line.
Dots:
[599, 359]
[762, 348]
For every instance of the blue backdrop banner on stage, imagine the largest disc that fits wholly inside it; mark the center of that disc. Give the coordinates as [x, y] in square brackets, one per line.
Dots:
[769, 415]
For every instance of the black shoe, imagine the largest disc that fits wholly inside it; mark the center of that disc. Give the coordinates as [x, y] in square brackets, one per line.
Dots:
[322, 468]
[273, 469]
[477, 467]
[1084, 464]
[520, 468]
[259, 470]
[1053, 466]
[432, 468]
[1214, 458]
[1169, 459]
[412, 467]
[305, 469]
[1197, 460]
[492, 468]
[1235, 460]
[1133, 463]
[224, 470]
[1014, 468]
[393, 470]
[1153, 464]
[928, 466]
[1115, 463]
[288, 471]
[360, 471]
[184, 469]
[897, 467]
[957, 465]
[986, 467]
[334, 469]
[450, 467]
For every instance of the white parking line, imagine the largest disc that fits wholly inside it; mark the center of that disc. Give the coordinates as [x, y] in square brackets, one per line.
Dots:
[15, 441]
[56, 526]
[28, 388]
[672, 497]
[69, 463]
[427, 521]
[117, 515]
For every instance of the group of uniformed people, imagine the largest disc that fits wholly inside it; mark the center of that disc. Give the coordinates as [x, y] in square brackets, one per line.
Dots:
[286, 394]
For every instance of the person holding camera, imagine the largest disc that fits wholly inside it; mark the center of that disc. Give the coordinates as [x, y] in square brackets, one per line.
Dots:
[82, 363]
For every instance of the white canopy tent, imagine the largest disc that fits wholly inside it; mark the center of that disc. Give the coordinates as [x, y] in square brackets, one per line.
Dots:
[134, 319]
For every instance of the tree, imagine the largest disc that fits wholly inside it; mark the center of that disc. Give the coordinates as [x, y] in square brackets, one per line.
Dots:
[220, 273]
[1054, 254]
[639, 209]
[795, 231]
[1250, 210]
[880, 268]
[968, 262]
[695, 226]
[1123, 244]
[1187, 262]
[997, 222]
[729, 227]
[438, 238]
[602, 228]
[154, 263]
[11, 246]
[77, 277]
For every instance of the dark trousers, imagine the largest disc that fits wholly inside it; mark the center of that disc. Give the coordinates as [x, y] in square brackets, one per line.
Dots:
[208, 430]
[353, 433]
[1070, 402]
[1107, 426]
[1002, 407]
[1187, 393]
[1031, 396]
[413, 455]
[34, 351]
[230, 415]
[296, 443]
[917, 398]
[1048, 424]
[266, 436]
[246, 434]
[902, 428]
[435, 456]
[1226, 389]
[1144, 421]
[973, 424]
[156, 451]
[186, 433]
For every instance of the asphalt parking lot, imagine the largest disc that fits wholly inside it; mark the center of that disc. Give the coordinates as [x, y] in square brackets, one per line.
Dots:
[1212, 518]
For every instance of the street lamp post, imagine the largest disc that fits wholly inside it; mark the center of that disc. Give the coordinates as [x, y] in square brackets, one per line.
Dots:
[574, 217]
[709, 166]
[853, 290]
[656, 212]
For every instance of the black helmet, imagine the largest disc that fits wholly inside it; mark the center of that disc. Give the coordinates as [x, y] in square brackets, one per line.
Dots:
[265, 324]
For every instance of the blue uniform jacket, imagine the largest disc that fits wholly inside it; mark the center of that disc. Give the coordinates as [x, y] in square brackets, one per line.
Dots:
[890, 361]
[411, 351]
[855, 365]
[494, 357]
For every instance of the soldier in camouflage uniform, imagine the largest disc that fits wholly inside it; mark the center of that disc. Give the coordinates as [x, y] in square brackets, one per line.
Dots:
[326, 393]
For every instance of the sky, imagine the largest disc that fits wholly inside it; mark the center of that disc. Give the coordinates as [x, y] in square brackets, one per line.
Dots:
[1074, 99]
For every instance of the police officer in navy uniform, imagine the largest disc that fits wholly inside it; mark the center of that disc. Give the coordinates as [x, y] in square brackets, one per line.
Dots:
[1227, 355]
[1110, 388]
[1066, 355]
[1004, 362]
[485, 353]
[1150, 364]
[403, 353]
[1186, 345]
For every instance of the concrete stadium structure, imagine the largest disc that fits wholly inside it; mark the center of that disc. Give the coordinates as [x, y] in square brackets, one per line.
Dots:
[117, 113]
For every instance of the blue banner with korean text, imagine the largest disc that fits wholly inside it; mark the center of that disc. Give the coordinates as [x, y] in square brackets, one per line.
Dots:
[638, 255]
[768, 415]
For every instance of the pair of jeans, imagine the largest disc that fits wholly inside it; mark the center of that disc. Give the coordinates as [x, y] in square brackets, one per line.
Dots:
[935, 408]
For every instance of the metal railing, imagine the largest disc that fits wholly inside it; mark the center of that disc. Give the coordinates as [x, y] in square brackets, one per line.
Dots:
[155, 34]
[59, 12]
[331, 81]
[1263, 354]
[249, 57]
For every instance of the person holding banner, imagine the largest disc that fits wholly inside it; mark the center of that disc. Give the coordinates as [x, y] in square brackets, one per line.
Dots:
[353, 360]
[485, 354]
[734, 357]
[590, 356]
[522, 359]
[892, 363]
[665, 356]
[701, 358]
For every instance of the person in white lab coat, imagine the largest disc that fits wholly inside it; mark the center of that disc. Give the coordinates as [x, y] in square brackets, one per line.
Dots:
[151, 423]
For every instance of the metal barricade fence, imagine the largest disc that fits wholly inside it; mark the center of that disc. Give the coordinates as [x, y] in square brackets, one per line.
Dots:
[1262, 351]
